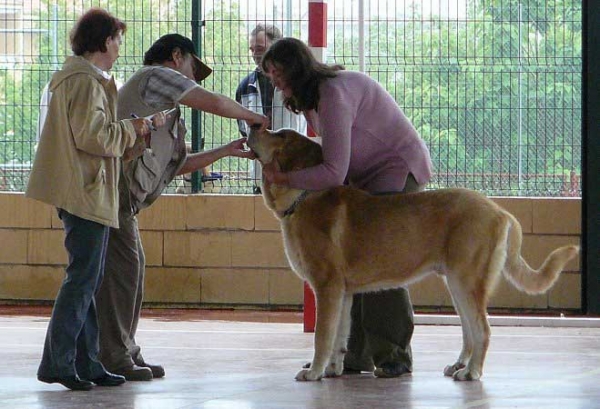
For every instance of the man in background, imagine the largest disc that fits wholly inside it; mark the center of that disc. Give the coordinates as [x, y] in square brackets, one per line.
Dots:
[256, 92]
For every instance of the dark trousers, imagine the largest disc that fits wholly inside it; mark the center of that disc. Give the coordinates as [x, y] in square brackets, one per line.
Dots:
[381, 330]
[121, 295]
[71, 345]
[382, 322]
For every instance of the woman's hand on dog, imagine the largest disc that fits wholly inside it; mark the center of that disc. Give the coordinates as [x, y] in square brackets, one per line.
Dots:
[259, 120]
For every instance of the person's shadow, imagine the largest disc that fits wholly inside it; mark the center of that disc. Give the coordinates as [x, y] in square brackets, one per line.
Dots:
[99, 397]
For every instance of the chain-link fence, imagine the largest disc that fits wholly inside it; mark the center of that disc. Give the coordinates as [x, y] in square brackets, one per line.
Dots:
[493, 86]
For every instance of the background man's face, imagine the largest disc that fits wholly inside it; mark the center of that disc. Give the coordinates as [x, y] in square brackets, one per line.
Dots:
[258, 45]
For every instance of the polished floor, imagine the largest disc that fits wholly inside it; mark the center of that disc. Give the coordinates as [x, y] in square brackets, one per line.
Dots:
[247, 360]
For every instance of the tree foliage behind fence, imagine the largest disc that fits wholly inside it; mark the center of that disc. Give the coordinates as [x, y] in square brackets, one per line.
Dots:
[493, 86]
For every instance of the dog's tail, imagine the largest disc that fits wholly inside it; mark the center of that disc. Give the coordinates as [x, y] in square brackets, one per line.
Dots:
[521, 275]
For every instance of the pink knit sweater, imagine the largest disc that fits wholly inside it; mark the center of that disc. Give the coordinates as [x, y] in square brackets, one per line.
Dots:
[366, 139]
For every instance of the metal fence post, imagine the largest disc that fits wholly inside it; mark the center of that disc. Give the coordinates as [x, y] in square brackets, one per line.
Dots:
[197, 138]
[590, 169]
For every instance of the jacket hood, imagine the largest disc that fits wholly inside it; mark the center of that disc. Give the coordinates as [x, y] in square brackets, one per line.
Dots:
[75, 65]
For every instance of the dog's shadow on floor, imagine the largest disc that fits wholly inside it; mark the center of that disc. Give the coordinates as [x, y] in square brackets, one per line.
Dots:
[474, 395]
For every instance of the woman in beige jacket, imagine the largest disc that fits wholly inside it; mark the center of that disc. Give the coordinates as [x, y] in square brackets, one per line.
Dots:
[76, 169]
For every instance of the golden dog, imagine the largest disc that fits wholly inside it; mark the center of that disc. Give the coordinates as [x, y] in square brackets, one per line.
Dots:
[344, 241]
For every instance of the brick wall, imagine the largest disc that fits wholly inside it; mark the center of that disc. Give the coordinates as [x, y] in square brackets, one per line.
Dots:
[227, 250]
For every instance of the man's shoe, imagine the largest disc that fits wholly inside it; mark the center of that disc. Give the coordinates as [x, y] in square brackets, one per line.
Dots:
[109, 379]
[157, 370]
[70, 382]
[391, 370]
[135, 373]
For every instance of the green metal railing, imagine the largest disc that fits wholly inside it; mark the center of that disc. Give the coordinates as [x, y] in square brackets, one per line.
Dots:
[493, 86]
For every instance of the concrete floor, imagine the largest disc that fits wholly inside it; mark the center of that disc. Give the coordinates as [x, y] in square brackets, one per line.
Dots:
[247, 360]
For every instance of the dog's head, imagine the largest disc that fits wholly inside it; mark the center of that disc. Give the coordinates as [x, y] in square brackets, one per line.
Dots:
[291, 151]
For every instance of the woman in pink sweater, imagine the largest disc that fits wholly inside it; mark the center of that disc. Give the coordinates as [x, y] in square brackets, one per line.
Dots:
[370, 144]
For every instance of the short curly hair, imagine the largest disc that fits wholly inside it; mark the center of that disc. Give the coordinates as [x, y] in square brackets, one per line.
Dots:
[92, 29]
[272, 32]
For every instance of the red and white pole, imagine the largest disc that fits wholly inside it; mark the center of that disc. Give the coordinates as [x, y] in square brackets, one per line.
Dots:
[317, 28]
[317, 41]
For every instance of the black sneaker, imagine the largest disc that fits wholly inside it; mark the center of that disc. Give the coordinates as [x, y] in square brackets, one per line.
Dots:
[157, 370]
[391, 370]
[70, 382]
[135, 373]
[109, 379]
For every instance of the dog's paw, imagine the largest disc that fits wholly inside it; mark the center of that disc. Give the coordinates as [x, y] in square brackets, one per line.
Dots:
[333, 370]
[465, 374]
[308, 375]
[450, 370]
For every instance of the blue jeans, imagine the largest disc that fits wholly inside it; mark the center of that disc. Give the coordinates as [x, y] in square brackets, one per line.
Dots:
[71, 345]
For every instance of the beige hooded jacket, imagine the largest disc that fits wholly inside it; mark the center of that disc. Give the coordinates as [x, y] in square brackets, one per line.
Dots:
[77, 162]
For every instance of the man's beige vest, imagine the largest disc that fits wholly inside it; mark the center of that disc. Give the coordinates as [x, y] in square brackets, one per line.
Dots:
[144, 178]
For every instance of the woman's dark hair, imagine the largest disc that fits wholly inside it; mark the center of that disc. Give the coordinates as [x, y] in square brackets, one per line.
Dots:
[300, 70]
[92, 29]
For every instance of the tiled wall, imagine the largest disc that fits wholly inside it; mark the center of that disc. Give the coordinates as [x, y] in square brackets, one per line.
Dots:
[227, 250]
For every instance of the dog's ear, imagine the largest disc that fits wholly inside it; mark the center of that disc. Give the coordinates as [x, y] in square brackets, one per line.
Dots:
[298, 152]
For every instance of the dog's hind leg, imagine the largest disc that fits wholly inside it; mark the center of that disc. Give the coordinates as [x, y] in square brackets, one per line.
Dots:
[471, 280]
[336, 362]
[467, 345]
[480, 333]
[329, 300]
[471, 305]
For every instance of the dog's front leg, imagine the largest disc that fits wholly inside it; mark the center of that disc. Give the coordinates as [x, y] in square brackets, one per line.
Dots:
[329, 300]
[336, 362]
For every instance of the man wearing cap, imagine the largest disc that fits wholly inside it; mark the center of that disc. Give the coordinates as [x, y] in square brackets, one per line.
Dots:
[167, 80]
